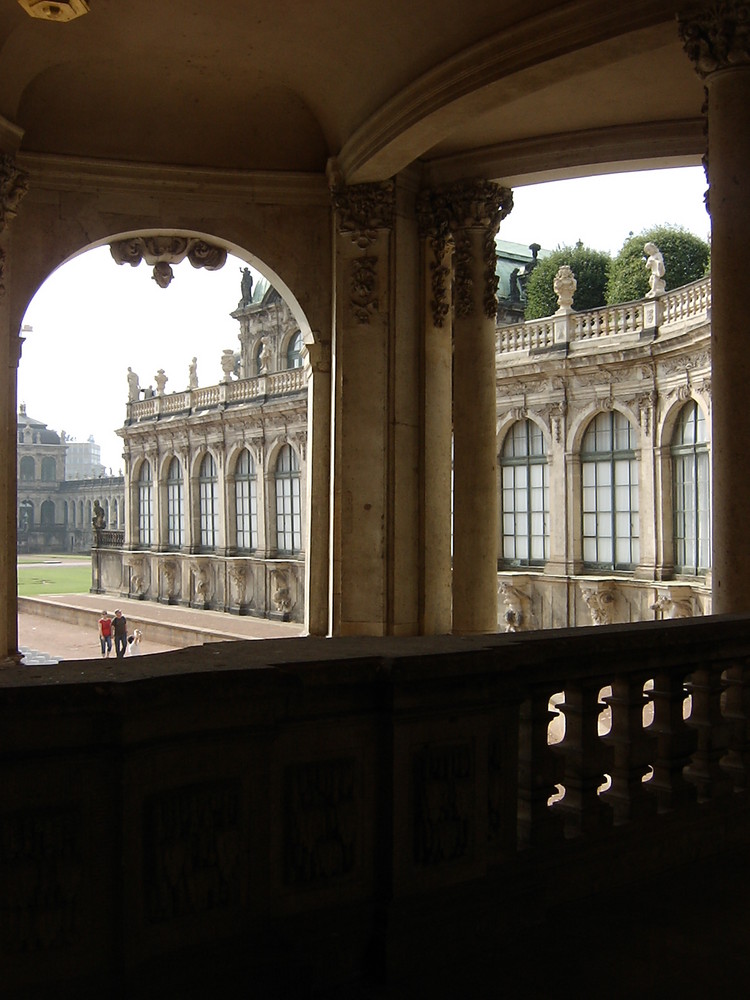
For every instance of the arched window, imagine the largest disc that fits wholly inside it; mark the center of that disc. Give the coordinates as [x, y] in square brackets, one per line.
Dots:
[115, 509]
[525, 496]
[80, 513]
[47, 514]
[692, 492]
[28, 469]
[145, 505]
[175, 505]
[73, 513]
[208, 495]
[609, 472]
[49, 470]
[294, 351]
[65, 512]
[246, 499]
[288, 516]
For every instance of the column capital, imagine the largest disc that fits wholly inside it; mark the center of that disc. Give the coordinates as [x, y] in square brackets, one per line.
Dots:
[14, 184]
[716, 37]
[363, 209]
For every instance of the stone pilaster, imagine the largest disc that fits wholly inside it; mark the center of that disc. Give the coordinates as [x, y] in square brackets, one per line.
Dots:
[317, 517]
[436, 246]
[14, 184]
[717, 40]
[473, 211]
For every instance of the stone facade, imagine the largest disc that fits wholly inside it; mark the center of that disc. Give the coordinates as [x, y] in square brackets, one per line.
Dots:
[603, 537]
[216, 481]
[55, 513]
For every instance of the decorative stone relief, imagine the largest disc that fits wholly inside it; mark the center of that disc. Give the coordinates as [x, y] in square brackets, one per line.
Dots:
[517, 613]
[169, 572]
[436, 230]
[238, 576]
[675, 604]
[14, 185]
[203, 587]
[281, 595]
[137, 566]
[363, 280]
[554, 414]
[163, 251]
[444, 806]
[41, 860]
[320, 821]
[600, 600]
[717, 37]
[192, 851]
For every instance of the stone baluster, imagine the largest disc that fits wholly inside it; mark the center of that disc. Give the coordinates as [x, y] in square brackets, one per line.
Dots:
[586, 759]
[632, 750]
[675, 742]
[737, 716]
[705, 770]
[540, 769]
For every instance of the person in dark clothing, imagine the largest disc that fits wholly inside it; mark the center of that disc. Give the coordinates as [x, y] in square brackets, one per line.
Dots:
[120, 629]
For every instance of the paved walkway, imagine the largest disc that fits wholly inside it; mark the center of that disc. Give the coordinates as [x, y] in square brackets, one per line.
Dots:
[47, 640]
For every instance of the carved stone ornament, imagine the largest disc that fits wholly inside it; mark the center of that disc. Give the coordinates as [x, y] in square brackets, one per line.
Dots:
[435, 228]
[363, 209]
[163, 251]
[169, 571]
[463, 206]
[14, 184]
[600, 600]
[137, 567]
[364, 287]
[565, 285]
[717, 37]
[55, 10]
[516, 614]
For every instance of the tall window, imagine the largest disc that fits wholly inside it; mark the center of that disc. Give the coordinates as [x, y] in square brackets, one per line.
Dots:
[294, 352]
[288, 517]
[175, 505]
[145, 505]
[246, 499]
[525, 496]
[208, 494]
[49, 470]
[48, 514]
[692, 494]
[610, 493]
[28, 468]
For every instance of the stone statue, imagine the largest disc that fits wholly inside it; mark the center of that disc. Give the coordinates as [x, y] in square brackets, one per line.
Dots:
[565, 286]
[246, 286]
[193, 374]
[161, 380]
[98, 521]
[515, 291]
[655, 265]
[163, 274]
[133, 386]
[148, 392]
[264, 358]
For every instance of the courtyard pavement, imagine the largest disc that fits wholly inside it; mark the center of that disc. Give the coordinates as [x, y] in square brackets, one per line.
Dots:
[47, 640]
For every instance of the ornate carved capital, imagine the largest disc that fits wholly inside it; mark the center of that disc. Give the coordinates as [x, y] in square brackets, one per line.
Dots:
[716, 37]
[14, 184]
[363, 209]
[163, 251]
[457, 209]
[434, 227]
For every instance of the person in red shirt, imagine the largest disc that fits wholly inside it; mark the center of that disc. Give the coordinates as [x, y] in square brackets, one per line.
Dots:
[105, 633]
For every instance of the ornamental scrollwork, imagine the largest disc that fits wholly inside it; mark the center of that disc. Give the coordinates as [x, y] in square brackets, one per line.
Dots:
[364, 287]
[435, 228]
[716, 37]
[14, 185]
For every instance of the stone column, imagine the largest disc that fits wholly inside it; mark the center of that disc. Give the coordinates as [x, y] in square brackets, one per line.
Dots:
[13, 186]
[475, 210]
[437, 418]
[718, 43]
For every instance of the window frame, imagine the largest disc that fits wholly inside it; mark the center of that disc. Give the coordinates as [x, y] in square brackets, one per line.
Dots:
[683, 455]
[288, 502]
[527, 464]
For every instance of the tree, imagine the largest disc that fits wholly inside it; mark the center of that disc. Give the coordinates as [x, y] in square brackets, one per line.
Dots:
[686, 258]
[590, 267]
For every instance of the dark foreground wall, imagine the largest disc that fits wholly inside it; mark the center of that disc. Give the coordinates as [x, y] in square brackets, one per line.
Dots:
[339, 818]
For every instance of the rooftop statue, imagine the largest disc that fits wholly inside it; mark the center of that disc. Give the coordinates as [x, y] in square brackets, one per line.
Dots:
[246, 286]
[655, 265]
[133, 386]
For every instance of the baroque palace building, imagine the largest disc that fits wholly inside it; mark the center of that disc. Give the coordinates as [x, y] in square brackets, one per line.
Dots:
[380, 807]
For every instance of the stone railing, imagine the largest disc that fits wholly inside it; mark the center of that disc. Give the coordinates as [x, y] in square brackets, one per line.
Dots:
[237, 391]
[104, 538]
[689, 303]
[331, 812]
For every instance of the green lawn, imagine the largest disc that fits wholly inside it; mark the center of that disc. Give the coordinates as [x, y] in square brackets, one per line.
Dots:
[59, 578]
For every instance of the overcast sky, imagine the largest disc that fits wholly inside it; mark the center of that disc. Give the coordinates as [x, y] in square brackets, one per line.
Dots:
[92, 318]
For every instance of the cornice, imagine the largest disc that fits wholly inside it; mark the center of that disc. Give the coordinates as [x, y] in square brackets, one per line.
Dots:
[567, 28]
[71, 173]
[562, 155]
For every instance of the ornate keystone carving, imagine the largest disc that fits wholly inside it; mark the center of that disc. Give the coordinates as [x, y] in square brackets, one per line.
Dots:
[717, 37]
[163, 251]
[14, 184]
